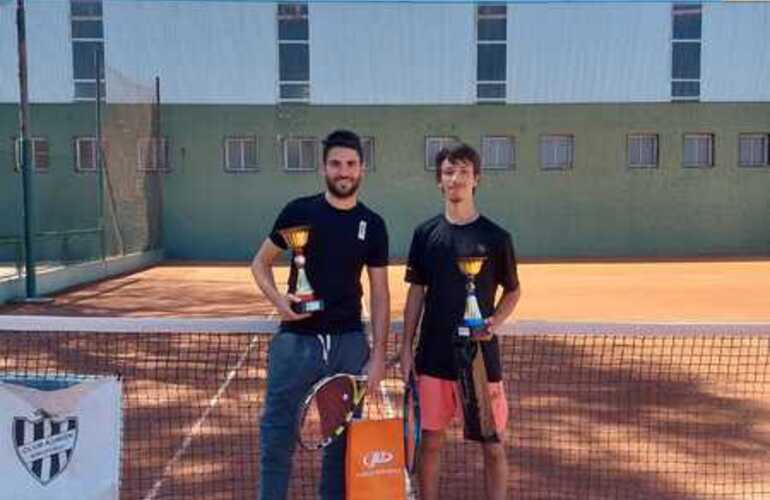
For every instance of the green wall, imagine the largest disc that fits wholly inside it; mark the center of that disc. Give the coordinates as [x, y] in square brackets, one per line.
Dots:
[66, 202]
[63, 200]
[599, 208]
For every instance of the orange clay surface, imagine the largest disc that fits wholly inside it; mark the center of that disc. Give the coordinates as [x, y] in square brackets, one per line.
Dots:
[699, 291]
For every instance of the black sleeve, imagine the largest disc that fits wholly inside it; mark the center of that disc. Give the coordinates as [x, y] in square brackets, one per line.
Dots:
[288, 217]
[507, 276]
[415, 273]
[377, 256]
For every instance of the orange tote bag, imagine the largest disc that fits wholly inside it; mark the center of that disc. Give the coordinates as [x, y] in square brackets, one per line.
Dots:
[374, 465]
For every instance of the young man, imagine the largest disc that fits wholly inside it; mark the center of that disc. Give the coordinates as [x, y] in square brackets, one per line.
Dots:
[345, 235]
[438, 293]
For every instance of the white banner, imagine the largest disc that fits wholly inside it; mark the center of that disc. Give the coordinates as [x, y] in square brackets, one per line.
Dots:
[61, 444]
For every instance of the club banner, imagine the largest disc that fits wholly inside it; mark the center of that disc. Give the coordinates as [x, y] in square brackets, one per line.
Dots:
[60, 444]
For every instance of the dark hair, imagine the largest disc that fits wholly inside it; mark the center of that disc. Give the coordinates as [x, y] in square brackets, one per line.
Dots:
[455, 153]
[343, 139]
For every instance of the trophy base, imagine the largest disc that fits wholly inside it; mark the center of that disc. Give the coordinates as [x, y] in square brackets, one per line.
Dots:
[476, 331]
[308, 306]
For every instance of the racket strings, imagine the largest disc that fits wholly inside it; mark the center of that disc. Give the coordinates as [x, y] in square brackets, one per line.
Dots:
[334, 401]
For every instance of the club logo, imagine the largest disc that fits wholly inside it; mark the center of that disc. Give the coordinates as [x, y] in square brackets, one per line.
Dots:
[362, 230]
[377, 457]
[45, 444]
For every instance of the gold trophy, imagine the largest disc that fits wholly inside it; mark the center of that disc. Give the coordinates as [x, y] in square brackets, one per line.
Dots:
[296, 238]
[474, 326]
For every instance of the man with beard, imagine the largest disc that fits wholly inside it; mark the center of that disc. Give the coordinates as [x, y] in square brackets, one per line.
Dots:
[345, 235]
[437, 293]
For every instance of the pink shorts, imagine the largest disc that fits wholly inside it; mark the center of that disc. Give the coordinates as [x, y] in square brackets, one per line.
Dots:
[440, 403]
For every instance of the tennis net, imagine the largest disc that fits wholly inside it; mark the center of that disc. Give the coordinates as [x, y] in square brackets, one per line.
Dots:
[596, 410]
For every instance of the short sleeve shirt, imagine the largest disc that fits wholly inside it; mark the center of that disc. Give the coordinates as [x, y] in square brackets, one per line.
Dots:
[436, 246]
[341, 242]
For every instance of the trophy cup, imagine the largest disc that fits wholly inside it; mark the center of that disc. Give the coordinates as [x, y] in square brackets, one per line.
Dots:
[296, 238]
[473, 326]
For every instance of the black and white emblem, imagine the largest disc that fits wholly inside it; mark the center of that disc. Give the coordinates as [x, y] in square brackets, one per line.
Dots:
[45, 444]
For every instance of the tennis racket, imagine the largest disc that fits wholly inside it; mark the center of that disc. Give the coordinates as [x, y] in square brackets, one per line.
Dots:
[478, 419]
[329, 407]
[412, 428]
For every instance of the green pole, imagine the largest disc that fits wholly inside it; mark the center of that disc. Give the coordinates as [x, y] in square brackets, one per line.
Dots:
[26, 169]
[98, 158]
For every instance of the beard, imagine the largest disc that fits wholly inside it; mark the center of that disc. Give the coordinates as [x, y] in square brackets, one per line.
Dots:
[343, 192]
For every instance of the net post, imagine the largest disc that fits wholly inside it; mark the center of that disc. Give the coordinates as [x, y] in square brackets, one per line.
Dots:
[157, 227]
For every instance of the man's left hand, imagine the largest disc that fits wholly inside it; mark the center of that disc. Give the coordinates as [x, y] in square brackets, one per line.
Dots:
[493, 325]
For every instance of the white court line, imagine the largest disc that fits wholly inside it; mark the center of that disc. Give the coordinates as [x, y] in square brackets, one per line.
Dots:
[199, 423]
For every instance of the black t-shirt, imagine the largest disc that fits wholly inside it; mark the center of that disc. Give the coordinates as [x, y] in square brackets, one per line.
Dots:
[436, 246]
[340, 243]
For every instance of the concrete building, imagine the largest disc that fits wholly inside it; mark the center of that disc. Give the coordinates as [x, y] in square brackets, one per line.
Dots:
[607, 129]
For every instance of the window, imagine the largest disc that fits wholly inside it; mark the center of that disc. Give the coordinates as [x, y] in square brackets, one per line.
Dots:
[85, 154]
[642, 150]
[686, 51]
[557, 151]
[38, 153]
[293, 52]
[498, 152]
[241, 154]
[153, 154]
[754, 150]
[87, 48]
[432, 147]
[368, 145]
[301, 154]
[698, 150]
[491, 53]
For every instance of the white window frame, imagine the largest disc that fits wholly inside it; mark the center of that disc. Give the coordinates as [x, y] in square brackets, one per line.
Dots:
[479, 42]
[314, 163]
[240, 141]
[764, 160]
[485, 140]
[443, 141]
[552, 139]
[675, 41]
[143, 144]
[631, 162]
[368, 165]
[78, 160]
[34, 142]
[279, 17]
[74, 40]
[699, 163]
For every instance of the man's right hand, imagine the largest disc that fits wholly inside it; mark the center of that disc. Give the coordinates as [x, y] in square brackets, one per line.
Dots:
[285, 310]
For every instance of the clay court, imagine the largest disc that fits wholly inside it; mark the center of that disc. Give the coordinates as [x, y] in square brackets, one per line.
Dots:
[629, 379]
[733, 291]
